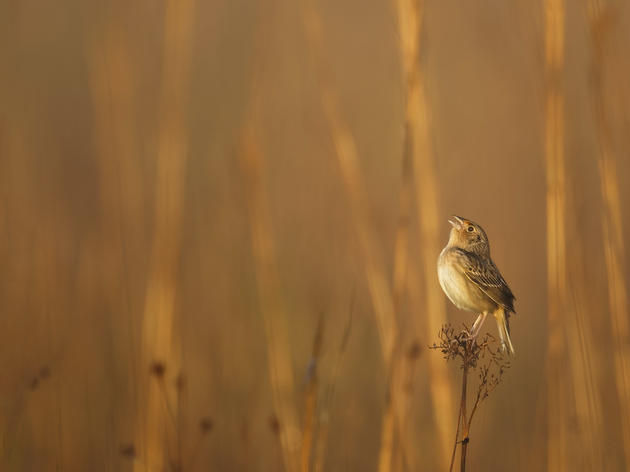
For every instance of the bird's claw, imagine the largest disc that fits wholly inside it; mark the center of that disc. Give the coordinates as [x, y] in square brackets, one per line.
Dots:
[465, 335]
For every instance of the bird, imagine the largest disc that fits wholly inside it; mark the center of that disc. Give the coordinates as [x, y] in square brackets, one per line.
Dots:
[471, 280]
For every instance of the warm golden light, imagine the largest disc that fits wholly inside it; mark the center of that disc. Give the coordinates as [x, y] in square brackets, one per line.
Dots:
[220, 223]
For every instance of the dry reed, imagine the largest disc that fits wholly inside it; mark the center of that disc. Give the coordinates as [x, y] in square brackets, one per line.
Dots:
[613, 242]
[325, 404]
[270, 300]
[159, 338]
[410, 21]
[401, 268]
[556, 241]
[586, 443]
[121, 185]
[348, 160]
[582, 365]
[310, 398]
[379, 289]
[394, 384]
[78, 206]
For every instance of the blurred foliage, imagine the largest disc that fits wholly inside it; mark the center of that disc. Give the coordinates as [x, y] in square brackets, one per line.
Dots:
[253, 251]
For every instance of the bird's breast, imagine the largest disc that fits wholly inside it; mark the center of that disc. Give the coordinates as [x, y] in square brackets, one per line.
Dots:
[464, 294]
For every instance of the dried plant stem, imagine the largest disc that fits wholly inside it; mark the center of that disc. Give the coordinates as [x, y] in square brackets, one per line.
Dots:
[284, 420]
[556, 241]
[327, 398]
[581, 352]
[474, 355]
[380, 292]
[400, 375]
[310, 401]
[348, 160]
[410, 21]
[465, 424]
[459, 424]
[401, 246]
[112, 76]
[271, 304]
[387, 436]
[396, 380]
[582, 356]
[159, 339]
[614, 250]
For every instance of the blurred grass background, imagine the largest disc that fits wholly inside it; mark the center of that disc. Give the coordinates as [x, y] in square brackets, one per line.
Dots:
[219, 223]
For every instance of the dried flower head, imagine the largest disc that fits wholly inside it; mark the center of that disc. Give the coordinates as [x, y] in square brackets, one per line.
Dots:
[180, 382]
[205, 425]
[274, 424]
[128, 451]
[470, 351]
[158, 369]
[414, 350]
[44, 373]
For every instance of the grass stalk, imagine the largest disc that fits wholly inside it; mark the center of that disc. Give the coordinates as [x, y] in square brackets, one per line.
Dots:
[556, 242]
[270, 299]
[160, 342]
[348, 160]
[378, 285]
[397, 379]
[328, 396]
[112, 80]
[310, 399]
[613, 242]
[410, 21]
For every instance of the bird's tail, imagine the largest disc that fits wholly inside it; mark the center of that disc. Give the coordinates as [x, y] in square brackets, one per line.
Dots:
[504, 330]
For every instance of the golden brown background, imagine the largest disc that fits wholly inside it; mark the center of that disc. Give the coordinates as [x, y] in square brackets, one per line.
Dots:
[214, 245]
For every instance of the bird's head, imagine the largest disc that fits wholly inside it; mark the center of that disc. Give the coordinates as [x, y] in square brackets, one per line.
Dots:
[468, 235]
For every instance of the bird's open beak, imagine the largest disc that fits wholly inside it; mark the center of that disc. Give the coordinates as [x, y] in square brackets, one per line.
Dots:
[457, 223]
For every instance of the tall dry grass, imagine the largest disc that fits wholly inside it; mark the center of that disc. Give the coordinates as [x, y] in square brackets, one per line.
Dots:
[160, 338]
[310, 400]
[381, 293]
[115, 233]
[583, 401]
[351, 175]
[324, 404]
[270, 299]
[410, 20]
[405, 454]
[113, 82]
[557, 394]
[600, 16]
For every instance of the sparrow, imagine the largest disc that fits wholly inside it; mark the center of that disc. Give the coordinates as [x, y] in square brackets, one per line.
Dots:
[471, 280]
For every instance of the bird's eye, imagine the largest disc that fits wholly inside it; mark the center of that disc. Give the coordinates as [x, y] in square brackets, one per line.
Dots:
[471, 229]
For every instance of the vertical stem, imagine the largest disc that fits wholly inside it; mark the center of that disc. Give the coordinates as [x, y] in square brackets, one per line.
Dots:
[159, 341]
[310, 401]
[375, 269]
[459, 422]
[417, 114]
[554, 11]
[464, 448]
[353, 181]
[463, 419]
[270, 297]
[612, 225]
[387, 437]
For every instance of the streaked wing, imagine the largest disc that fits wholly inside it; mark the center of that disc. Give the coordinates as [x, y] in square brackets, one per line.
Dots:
[487, 277]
